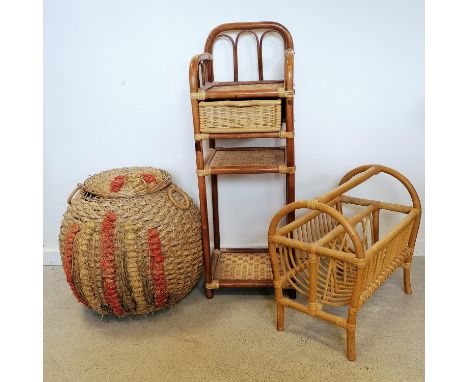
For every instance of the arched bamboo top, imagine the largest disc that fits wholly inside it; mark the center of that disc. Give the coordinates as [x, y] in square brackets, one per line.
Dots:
[264, 28]
[349, 181]
[316, 205]
[249, 26]
[387, 170]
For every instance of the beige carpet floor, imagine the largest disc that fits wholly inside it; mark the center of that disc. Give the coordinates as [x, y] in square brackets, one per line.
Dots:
[233, 338]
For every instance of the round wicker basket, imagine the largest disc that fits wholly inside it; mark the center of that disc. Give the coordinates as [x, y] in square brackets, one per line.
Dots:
[130, 241]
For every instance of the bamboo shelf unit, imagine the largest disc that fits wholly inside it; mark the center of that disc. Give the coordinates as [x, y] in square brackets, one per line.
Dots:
[240, 110]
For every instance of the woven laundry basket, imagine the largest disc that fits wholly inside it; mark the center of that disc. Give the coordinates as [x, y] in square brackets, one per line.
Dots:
[240, 116]
[130, 241]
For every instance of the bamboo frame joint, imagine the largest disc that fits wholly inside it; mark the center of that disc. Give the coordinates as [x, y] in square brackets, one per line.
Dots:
[200, 95]
[285, 93]
[277, 284]
[212, 285]
[406, 265]
[282, 169]
[286, 134]
[201, 137]
[203, 172]
[361, 263]
[314, 307]
[311, 204]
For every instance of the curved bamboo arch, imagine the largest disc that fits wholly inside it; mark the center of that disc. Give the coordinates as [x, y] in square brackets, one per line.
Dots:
[281, 29]
[245, 28]
[347, 183]
[390, 171]
[316, 205]
[234, 51]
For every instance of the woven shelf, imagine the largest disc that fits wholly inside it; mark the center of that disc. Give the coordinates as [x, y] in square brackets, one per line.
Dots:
[248, 160]
[243, 90]
[242, 267]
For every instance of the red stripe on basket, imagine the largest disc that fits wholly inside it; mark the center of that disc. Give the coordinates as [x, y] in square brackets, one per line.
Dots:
[157, 268]
[117, 183]
[149, 178]
[68, 261]
[108, 263]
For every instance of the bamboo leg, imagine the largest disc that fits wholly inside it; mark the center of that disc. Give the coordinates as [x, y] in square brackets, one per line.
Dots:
[290, 218]
[194, 85]
[351, 344]
[288, 108]
[290, 157]
[407, 281]
[407, 269]
[351, 335]
[290, 194]
[205, 234]
[407, 276]
[279, 316]
[214, 199]
[214, 202]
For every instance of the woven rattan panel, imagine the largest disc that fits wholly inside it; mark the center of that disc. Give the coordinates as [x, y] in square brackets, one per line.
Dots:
[243, 266]
[247, 115]
[249, 157]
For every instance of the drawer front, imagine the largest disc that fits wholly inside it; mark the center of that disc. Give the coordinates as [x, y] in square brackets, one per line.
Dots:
[240, 116]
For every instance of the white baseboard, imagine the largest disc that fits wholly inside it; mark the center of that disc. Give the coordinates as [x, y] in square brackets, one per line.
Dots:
[52, 255]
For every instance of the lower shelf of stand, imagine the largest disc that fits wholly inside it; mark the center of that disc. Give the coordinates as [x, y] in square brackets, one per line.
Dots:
[242, 268]
[246, 160]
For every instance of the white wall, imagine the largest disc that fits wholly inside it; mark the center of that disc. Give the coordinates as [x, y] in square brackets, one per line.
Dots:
[116, 94]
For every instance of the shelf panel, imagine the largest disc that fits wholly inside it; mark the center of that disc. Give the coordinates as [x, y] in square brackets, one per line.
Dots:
[240, 90]
[248, 160]
[249, 135]
[242, 267]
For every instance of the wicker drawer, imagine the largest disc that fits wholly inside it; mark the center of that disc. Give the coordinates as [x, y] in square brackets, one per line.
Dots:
[240, 116]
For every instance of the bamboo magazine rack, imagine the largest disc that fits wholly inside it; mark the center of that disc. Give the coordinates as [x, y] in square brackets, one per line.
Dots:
[335, 258]
[240, 110]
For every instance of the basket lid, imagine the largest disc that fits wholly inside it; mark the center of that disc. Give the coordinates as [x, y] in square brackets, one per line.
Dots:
[127, 182]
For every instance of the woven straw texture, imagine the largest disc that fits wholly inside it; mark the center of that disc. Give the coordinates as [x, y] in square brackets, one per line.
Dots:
[242, 266]
[134, 182]
[230, 88]
[240, 116]
[262, 157]
[130, 242]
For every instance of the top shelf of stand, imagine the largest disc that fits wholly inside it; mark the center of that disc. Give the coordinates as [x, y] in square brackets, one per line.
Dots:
[243, 90]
